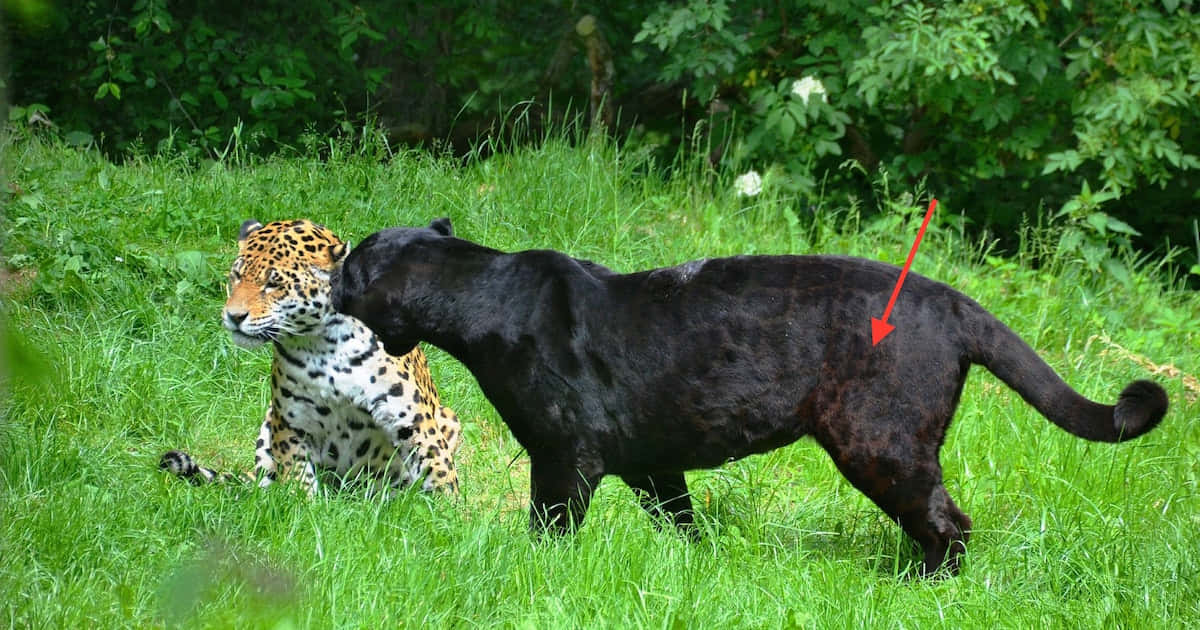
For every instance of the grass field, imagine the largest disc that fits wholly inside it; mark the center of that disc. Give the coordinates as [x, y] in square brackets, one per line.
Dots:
[112, 288]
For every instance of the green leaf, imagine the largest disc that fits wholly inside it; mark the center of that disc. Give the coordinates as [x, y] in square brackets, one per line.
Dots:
[262, 99]
[1038, 69]
[184, 287]
[1068, 208]
[1104, 196]
[73, 264]
[787, 127]
[1094, 254]
[1116, 269]
[33, 200]
[191, 264]
[827, 147]
[798, 112]
[1071, 240]
[1117, 225]
[773, 116]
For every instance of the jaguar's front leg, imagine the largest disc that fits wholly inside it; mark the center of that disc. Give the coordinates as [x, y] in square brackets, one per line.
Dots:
[265, 469]
[394, 418]
[308, 477]
[281, 454]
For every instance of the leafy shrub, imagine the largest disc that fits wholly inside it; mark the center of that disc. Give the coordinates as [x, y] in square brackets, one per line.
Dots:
[1001, 106]
[982, 99]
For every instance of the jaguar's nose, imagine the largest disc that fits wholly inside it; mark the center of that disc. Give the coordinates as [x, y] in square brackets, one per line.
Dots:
[234, 319]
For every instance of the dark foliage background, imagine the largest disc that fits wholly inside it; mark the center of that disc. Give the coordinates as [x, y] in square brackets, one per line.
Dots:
[1083, 113]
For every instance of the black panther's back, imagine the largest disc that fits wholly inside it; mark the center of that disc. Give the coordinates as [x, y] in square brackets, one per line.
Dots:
[724, 357]
[754, 320]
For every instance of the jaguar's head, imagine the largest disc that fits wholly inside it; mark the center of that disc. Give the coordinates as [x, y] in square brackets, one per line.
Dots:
[279, 282]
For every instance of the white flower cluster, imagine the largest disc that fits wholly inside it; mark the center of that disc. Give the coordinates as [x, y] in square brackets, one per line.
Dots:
[808, 86]
[748, 185]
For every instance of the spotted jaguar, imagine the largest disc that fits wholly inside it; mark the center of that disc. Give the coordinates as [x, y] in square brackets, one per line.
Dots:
[343, 411]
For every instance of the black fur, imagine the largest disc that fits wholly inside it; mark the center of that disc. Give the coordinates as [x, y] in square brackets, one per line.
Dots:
[649, 374]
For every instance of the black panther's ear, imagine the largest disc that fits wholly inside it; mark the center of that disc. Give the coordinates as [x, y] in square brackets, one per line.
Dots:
[249, 226]
[442, 226]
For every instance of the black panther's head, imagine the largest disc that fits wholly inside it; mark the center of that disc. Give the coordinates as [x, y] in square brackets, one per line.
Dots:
[369, 283]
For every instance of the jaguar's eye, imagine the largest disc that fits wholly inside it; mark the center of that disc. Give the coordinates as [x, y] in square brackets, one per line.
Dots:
[274, 280]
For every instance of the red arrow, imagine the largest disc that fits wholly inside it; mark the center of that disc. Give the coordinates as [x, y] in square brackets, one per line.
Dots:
[879, 327]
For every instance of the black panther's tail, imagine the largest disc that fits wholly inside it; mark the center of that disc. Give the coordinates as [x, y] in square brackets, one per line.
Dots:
[183, 466]
[1140, 407]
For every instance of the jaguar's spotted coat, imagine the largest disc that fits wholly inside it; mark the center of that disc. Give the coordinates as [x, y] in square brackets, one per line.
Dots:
[340, 404]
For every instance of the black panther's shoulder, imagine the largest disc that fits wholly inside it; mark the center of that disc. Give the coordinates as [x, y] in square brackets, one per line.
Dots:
[594, 268]
[558, 264]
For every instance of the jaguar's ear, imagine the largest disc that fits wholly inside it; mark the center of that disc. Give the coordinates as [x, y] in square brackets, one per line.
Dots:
[442, 226]
[249, 226]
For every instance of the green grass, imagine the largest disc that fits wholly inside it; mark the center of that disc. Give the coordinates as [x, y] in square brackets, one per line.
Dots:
[114, 354]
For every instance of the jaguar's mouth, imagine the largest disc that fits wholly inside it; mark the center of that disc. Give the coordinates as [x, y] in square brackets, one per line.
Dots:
[249, 341]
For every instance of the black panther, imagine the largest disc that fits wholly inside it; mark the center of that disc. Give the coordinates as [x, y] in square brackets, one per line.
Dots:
[647, 375]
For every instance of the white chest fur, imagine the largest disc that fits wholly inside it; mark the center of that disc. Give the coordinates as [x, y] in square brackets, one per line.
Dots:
[331, 389]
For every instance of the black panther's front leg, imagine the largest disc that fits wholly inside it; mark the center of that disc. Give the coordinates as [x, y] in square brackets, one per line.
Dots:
[559, 495]
[665, 496]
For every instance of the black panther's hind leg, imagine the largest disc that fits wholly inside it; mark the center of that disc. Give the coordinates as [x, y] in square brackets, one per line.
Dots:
[665, 496]
[943, 532]
[893, 459]
[911, 493]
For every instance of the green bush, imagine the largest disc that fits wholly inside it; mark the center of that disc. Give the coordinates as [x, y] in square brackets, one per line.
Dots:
[982, 99]
[1002, 107]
